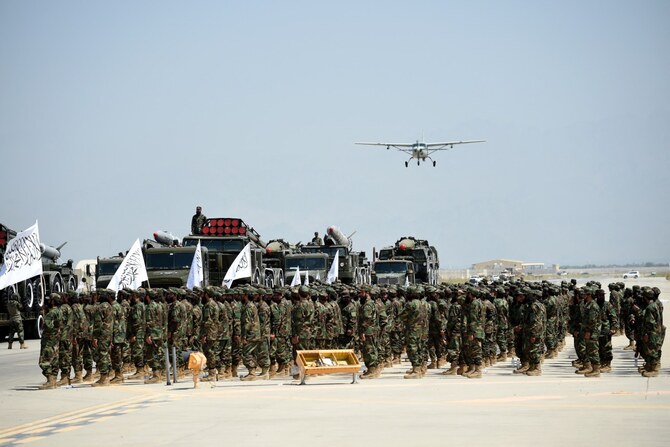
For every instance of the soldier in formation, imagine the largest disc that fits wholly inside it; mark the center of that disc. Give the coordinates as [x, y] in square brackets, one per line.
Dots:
[470, 328]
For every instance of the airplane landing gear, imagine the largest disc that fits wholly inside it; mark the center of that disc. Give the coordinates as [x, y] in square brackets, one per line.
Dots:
[418, 162]
[434, 163]
[406, 164]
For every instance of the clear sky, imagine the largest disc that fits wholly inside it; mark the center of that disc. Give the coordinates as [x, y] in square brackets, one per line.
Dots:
[118, 118]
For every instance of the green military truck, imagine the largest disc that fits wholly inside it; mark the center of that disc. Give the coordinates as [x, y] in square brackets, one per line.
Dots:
[423, 257]
[225, 238]
[170, 266]
[55, 278]
[105, 269]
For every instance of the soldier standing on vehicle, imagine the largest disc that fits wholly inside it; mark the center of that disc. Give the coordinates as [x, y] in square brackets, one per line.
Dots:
[316, 240]
[198, 221]
[14, 308]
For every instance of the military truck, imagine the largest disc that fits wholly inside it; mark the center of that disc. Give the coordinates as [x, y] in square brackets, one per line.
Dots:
[354, 267]
[225, 238]
[55, 278]
[422, 255]
[170, 266]
[393, 271]
[105, 269]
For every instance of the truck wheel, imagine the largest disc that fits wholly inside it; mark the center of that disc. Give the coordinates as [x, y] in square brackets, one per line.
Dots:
[71, 284]
[31, 294]
[38, 327]
[40, 294]
[57, 285]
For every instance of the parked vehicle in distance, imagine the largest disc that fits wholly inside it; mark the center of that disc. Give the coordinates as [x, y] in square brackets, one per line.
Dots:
[631, 274]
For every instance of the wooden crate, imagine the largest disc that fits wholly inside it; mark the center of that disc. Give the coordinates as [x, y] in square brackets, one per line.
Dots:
[327, 361]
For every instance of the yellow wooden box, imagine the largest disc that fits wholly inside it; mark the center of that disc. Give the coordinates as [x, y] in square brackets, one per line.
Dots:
[327, 361]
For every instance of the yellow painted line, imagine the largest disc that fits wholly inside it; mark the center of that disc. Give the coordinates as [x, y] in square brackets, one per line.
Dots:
[66, 429]
[104, 418]
[56, 420]
[6, 440]
[130, 410]
[31, 439]
[79, 420]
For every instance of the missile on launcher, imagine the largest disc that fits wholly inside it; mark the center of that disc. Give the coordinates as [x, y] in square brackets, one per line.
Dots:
[166, 238]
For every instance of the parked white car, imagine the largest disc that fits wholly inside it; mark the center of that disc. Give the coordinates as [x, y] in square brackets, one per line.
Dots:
[631, 274]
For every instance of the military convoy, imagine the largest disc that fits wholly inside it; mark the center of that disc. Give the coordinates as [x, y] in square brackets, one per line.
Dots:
[55, 278]
[408, 261]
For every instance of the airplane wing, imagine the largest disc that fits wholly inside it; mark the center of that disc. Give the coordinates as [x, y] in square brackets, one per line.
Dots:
[396, 145]
[450, 144]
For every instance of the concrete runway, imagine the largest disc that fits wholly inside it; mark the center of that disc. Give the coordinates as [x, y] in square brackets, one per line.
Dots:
[558, 408]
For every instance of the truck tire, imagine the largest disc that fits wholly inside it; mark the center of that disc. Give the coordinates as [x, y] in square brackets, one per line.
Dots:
[57, 285]
[40, 294]
[71, 284]
[38, 327]
[30, 295]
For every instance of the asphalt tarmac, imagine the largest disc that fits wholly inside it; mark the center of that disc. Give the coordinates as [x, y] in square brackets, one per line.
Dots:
[557, 408]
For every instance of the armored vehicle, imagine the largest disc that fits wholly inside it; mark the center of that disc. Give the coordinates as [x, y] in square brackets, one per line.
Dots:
[354, 268]
[55, 278]
[393, 271]
[225, 238]
[419, 252]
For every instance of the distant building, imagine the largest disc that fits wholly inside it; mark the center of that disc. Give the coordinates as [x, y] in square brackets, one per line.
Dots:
[497, 266]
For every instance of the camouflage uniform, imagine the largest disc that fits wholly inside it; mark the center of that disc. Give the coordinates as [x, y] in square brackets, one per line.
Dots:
[436, 326]
[490, 330]
[281, 329]
[551, 340]
[590, 328]
[534, 331]
[502, 311]
[89, 353]
[263, 355]
[474, 331]
[65, 344]
[103, 325]
[348, 340]
[454, 333]
[609, 325]
[81, 337]
[251, 336]
[398, 331]
[49, 343]
[136, 328]
[14, 308]
[302, 323]
[411, 317]
[210, 331]
[368, 330]
[155, 337]
[653, 332]
[225, 346]
[119, 339]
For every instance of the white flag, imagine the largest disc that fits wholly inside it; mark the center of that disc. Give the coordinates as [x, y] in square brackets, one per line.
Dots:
[196, 275]
[131, 272]
[23, 258]
[318, 276]
[334, 269]
[306, 278]
[240, 268]
[406, 281]
[296, 279]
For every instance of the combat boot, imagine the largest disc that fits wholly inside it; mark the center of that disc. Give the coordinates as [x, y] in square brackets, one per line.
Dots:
[652, 370]
[493, 360]
[64, 379]
[50, 384]
[89, 376]
[156, 377]
[264, 375]
[502, 357]
[77, 377]
[586, 368]
[522, 369]
[396, 359]
[451, 371]
[278, 372]
[104, 380]
[23, 345]
[534, 370]
[117, 379]
[415, 374]
[476, 373]
[433, 363]
[470, 370]
[274, 368]
[606, 367]
[461, 369]
[9, 344]
[251, 375]
[211, 375]
[227, 375]
[595, 371]
[233, 371]
[630, 347]
[139, 373]
[370, 373]
[512, 352]
[486, 362]
[577, 363]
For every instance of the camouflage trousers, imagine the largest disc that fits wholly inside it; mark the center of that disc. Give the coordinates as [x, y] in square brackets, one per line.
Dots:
[436, 346]
[533, 350]
[283, 350]
[78, 354]
[370, 351]
[211, 350]
[87, 353]
[510, 339]
[519, 347]
[237, 352]
[413, 342]
[127, 353]
[65, 356]
[651, 351]
[454, 348]
[15, 327]
[472, 351]
[49, 357]
[348, 342]
[225, 352]
[137, 351]
[629, 331]
[489, 344]
[255, 353]
[501, 340]
[155, 354]
[592, 350]
[551, 335]
[580, 347]
[605, 348]
[397, 345]
[104, 356]
[385, 351]
[117, 356]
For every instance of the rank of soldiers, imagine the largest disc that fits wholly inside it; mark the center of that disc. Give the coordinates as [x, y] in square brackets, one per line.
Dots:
[462, 328]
